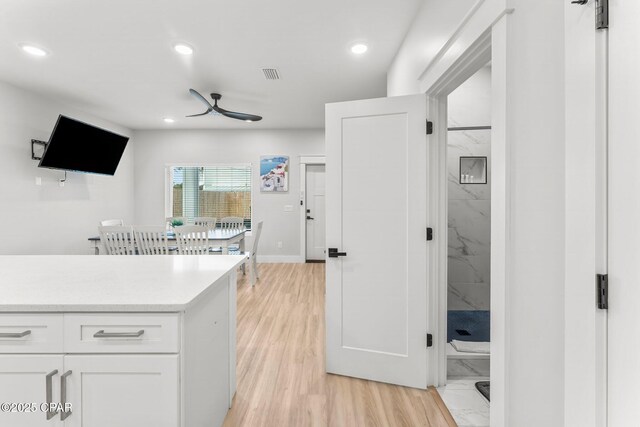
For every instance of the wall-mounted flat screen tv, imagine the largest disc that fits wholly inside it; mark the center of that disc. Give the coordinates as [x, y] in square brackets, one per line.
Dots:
[80, 147]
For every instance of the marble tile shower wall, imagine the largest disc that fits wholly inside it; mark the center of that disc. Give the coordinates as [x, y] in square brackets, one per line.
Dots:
[469, 224]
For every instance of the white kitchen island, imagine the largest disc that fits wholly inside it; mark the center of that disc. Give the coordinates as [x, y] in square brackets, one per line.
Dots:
[122, 341]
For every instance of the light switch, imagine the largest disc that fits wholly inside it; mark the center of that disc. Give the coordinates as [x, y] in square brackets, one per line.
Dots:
[38, 180]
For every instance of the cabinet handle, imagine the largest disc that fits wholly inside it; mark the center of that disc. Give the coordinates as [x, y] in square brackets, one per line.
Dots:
[102, 334]
[15, 334]
[49, 393]
[63, 396]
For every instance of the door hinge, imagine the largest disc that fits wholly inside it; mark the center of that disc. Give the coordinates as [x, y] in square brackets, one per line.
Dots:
[429, 234]
[429, 340]
[602, 14]
[429, 127]
[602, 286]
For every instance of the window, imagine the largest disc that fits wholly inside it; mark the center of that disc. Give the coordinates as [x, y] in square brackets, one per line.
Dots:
[214, 191]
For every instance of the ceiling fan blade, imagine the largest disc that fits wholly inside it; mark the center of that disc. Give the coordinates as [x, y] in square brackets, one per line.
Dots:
[239, 116]
[201, 114]
[201, 98]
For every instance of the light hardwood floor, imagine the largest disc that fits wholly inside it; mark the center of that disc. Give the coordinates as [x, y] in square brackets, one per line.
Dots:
[281, 375]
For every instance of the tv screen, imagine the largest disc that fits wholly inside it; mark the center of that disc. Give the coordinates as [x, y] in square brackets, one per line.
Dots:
[80, 147]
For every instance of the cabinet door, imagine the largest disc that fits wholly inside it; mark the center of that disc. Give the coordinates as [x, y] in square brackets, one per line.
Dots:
[23, 379]
[123, 390]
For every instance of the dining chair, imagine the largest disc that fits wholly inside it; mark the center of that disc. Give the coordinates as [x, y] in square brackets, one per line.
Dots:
[192, 239]
[151, 240]
[252, 259]
[110, 222]
[116, 239]
[206, 221]
[231, 223]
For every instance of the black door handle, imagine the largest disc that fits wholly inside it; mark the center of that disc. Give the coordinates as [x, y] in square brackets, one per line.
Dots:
[333, 253]
[308, 217]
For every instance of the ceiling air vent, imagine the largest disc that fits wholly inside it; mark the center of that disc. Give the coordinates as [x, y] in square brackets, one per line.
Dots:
[271, 74]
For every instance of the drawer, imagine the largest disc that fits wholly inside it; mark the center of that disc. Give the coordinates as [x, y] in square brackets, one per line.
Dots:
[122, 333]
[31, 333]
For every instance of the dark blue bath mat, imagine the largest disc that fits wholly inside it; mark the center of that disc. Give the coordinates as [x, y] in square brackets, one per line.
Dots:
[468, 325]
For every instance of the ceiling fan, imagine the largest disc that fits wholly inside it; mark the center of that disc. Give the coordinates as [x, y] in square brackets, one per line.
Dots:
[214, 109]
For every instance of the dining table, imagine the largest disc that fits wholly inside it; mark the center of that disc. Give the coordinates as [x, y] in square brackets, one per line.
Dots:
[222, 238]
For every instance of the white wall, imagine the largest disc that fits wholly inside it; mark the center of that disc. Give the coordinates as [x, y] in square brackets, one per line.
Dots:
[431, 28]
[50, 219]
[469, 205]
[534, 382]
[155, 149]
[536, 140]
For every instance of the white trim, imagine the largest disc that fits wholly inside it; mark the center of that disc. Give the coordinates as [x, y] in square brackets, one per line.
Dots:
[313, 160]
[303, 210]
[284, 259]
[304, 161]
[484, 15]
[481, 36]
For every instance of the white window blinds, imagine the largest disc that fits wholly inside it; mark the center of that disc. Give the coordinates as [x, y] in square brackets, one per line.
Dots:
[213, 191]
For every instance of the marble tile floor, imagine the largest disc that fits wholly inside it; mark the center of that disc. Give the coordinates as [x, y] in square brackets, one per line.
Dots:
[467, 406]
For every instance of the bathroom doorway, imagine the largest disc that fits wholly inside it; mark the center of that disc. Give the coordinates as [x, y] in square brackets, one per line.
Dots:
[469, 249]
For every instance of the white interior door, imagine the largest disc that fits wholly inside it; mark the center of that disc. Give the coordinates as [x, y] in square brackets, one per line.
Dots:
[376, 295]
[585, 210]
[316, 215]
[624, 213]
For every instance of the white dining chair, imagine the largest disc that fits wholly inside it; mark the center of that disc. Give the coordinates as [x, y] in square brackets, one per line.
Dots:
[192, 240]
[116, 239]
[252, 259]
[110, 222]
[231, 223]
[206, 221]
[151, 240]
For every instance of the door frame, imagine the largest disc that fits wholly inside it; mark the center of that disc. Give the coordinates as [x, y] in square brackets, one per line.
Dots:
[304, 161]
[480, 38]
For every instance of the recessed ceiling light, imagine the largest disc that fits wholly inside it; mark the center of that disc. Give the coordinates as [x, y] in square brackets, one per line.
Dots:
[359, 48]
[183, 48]
[168, 120]
[33, 50]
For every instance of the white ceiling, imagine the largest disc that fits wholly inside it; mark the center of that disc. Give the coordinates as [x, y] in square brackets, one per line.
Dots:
[115, 58]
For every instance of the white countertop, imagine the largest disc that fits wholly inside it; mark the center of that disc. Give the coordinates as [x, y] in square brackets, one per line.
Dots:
[84, 283]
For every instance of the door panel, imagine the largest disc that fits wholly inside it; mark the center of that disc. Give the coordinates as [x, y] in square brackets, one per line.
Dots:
[585, 208]
[316, 215]
[23, 380]
[376, 212]
[624, 211]
[123, 391]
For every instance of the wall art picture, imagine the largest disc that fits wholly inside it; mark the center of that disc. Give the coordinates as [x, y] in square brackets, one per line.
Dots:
[274, 173]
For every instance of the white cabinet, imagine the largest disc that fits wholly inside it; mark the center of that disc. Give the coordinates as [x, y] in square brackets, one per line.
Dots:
[123, 390]
[23, 380]
[173, 369]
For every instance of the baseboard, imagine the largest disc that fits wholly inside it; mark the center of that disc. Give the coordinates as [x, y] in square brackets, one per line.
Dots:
[280, 259]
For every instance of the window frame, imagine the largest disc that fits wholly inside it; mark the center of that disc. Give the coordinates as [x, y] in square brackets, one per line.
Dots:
[168, 183]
